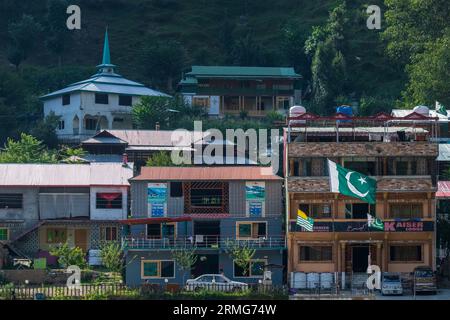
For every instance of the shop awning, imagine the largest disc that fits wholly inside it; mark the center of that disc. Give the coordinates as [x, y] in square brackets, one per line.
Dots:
[443, 189]
[154, 220]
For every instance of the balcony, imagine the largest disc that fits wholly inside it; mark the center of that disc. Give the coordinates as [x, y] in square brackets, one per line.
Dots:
[210, 242]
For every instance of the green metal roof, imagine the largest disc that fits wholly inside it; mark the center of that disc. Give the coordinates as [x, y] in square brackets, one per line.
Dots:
[242, 72]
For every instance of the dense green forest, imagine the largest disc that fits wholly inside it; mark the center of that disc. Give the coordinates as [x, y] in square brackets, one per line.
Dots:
[154, 41]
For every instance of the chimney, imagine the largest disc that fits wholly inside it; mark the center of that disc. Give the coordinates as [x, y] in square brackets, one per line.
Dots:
[125, 160]
[157, 126]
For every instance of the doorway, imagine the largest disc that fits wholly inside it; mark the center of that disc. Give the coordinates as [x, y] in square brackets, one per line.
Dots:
[206, 263]
[206, 233]
[81, 239]
[360, 258]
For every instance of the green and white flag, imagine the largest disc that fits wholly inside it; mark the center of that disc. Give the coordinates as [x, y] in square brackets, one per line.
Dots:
[440, 108]
[374, 223]
[352, 183]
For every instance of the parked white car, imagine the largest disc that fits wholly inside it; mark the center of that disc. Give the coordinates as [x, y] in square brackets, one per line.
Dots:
[391, 284]
[216, 282]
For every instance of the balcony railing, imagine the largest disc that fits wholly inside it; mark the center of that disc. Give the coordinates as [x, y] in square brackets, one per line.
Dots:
[201, 242]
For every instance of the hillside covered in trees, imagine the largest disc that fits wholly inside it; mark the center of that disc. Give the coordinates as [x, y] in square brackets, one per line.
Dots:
[155, 41]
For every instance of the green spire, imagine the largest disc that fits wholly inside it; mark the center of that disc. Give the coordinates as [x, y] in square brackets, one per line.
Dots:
[106, 54]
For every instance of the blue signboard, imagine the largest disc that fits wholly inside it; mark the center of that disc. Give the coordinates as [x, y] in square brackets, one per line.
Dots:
[157, 209]
[255, 208]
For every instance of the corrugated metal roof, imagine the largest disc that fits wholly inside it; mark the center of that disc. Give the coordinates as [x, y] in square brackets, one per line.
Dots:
[444, 152]
[206, 173]
[443, 189]
[107, 84]
[233, 71]
[432, 113]
[94, 174]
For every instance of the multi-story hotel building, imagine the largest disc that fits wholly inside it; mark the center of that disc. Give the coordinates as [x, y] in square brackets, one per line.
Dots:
[399, 155]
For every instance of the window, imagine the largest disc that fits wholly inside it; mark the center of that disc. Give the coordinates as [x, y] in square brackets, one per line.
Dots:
[283, 103]
[108, 233]
[359, 210]
[255, 270]
[157, 269]
[3, 234]
[251, 229]
[11, 200]
[405, 253]
[61, 125]
[200, 102]
[56, 235]
[206, 197]
[316, 253]
[406, 210]
[314, 210]
[124, 100]
[109, 200]
[101, 98]
[176, 189]
[402, 166]
[364, 166]
[161, 230]
[91, 124]
[65, 99]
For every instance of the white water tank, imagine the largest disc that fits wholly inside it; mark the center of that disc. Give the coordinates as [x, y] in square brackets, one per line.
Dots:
[312, 280]
[326, 279]
[423, 110]
[298, 280]
[296, 111]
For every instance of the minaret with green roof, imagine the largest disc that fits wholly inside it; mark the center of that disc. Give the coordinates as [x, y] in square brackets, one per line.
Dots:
[106, 66]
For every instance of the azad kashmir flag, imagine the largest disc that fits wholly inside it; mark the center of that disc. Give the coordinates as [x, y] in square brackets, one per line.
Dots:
[351, 183]
[304, 221]
[440, 108]
[375, 223]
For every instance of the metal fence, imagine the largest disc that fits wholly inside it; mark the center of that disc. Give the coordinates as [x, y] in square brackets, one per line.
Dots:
[30, 292]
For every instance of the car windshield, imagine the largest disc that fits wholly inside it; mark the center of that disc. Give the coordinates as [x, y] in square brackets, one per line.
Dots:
[391, 278]
[424, 273]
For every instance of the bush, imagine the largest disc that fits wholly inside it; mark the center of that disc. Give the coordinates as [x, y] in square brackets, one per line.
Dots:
[6, 292]
[69, 256]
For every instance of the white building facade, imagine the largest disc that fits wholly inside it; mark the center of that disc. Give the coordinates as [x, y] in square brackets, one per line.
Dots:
[104, 101]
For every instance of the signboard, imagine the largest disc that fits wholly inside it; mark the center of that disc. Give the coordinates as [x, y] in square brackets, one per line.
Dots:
[255, 208]
[255, 190]
[157, 192]
[361, 226]
[157, 199]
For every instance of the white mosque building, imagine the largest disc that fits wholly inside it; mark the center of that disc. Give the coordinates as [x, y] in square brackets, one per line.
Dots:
[104, 101]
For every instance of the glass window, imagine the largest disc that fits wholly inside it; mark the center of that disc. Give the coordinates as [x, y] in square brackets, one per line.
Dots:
[65, 99]
[101, 98]
[255, 269]
[154, 231]
[252, 230]
[167, 269]
[359, 210]
[108, 233]
[109, 200]
[406, 210]
[11, 200]
[149, 269]
[364, 167]
[220, 279]
[176, 189]
[3, 234]
[405, 253]
[206, 197]
[245, 230]
[316, 253]
[91, 124]
[125, 100]
[56, 235]
[206, 279]
[61, 125]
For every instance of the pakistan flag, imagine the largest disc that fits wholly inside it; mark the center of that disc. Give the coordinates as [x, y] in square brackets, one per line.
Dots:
[351, 183]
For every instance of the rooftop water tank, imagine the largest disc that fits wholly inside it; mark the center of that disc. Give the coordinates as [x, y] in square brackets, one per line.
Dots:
[423, 110]
[347, 110]
[296, 111]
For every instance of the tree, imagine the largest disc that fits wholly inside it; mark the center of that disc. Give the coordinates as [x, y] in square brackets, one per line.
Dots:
[68, 256]
[160, 159]
[412, 25]
[23, 34]
[45, 130]
[112, 256]
[240, 253]
[151, 110]
[163, 60]
[185, 258]
[56, 30]
[70, 155]
[27, 150]
[429, 74]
